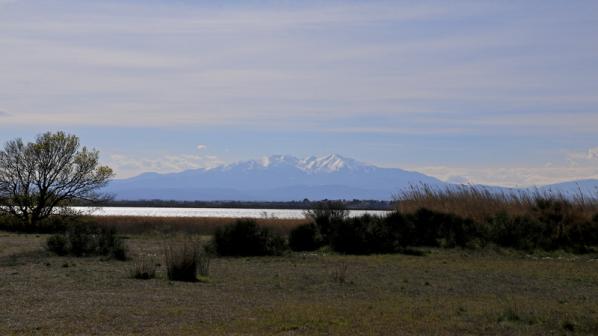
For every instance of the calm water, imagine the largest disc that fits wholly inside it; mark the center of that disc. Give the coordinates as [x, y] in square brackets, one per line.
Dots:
[205, 212]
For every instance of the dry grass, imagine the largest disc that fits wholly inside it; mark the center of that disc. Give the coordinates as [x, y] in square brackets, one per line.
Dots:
[446, 292]
[479, 203]
[143, 268]
[133, 225]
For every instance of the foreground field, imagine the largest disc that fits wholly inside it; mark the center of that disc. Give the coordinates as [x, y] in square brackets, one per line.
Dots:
[445, 292]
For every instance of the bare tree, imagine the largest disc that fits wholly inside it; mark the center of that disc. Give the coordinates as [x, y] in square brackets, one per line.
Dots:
[38, 177]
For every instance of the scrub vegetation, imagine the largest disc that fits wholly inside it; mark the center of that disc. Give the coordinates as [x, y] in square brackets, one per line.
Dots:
[516, 266]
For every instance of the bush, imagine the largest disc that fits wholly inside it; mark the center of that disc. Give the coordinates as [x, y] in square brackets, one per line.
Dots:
[520, 232]
[396, 232]
[110, 244]
[58, 244]
[246, 238]
[552, 224]
[325, 215]
[433, 228]
[185, 261]
[9, 223]
[365, 235]
[305, 238]
[403, 229]
[86, 239]
[349, 236]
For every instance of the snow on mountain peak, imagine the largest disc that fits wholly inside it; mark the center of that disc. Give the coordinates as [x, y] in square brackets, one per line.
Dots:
[312, 164]
[328, 163]
[268, 161]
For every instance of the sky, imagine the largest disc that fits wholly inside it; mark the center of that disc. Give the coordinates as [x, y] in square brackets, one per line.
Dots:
[495, 92]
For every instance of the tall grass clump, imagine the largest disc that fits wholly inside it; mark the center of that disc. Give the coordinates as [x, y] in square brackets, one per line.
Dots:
[186, 260]
[245, 238]
[143, 269]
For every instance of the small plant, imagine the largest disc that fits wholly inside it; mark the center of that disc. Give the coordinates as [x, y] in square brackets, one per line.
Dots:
[568, 326]
[144, 269]
[203, 264]
[339, 274]
[184, 261]
[509, 315]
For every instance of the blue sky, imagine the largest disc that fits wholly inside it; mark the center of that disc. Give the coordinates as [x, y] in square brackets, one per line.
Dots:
[499, 92]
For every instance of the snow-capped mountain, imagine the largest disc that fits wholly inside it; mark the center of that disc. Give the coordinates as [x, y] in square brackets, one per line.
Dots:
[312, 164]
[278, 177]
[285, 177]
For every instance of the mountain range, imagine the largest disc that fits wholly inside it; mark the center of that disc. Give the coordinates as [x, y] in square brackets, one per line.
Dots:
[285, 178]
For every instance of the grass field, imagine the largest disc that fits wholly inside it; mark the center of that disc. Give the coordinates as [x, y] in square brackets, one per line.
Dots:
[445, 292]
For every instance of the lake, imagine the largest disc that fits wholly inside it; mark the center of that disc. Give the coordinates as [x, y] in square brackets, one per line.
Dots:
[207, 212]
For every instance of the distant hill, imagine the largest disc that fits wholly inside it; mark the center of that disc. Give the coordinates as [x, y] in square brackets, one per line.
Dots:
[587, 187]
[287, 178]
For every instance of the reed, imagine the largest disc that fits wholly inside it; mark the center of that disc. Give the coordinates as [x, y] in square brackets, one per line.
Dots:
[131, 225]
[480, 203]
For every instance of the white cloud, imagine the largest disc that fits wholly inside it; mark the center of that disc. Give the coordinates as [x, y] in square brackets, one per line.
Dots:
[130, 165]
[592, 153]
[583, 157]
[458, 179]
[130, 63]
[510, 176]
[201, 147]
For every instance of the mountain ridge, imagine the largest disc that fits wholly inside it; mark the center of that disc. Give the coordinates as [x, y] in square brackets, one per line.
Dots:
[287, 178]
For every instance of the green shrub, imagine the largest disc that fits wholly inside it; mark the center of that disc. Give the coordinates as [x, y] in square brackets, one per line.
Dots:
[184, 261]
[402, 228]
[365, 235]
[305, 238]
[110, 244]
[350, 236]
[246, 238]
[82, 239]
[433, 228]
[396, 232]
[86, 239]
[325, 215]
[581, 236]
[9, 223]
[520, 232]
[57, 244]
[553, 224]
